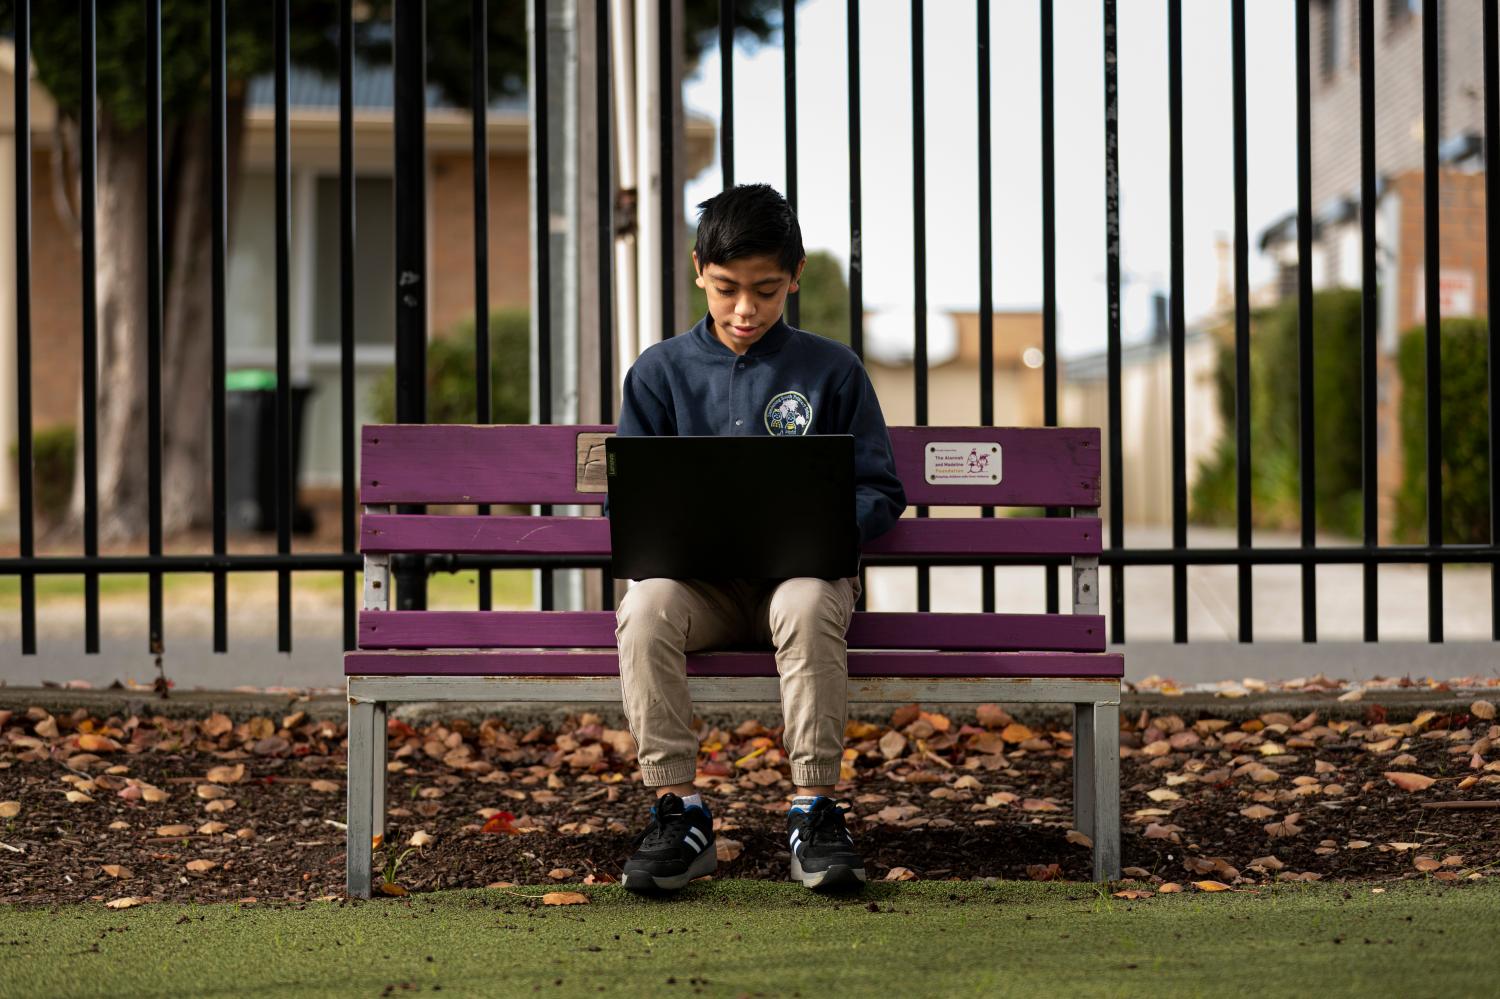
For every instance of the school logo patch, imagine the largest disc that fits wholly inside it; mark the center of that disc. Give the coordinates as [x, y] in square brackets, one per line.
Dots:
[788, 414]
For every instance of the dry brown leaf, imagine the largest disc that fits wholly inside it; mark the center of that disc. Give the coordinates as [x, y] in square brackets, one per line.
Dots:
[565, 898]
[892, 744]
[1163, 794]
[1286, 827]
[899, 874]
[216, 725]
[154, 794]
[1016, 732]
[1133, 893]
[117, 871]
[1211, 885]
[728, 849]
[211, 828]
[388, 888]
[1482, 709]
[211, 791]
[1257, 812]
[326, 786]
[1268, 862]
[9, 809]
[1425, 863]
[199, 866]
[1170, 888]
[421, 838]
[1038, 805]
[78, 798]
[91, 743]
[1044, 872]
[222, 805]
[1081, 839]
[1410, 782]
[174, 830]
[992, 716]
[227, 775]
[125, 903]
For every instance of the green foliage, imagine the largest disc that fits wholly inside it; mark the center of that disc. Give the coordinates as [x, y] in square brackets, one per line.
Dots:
[52, 453]
[1275, 485]
[823, 300]
[450, 373]
[1466, 460]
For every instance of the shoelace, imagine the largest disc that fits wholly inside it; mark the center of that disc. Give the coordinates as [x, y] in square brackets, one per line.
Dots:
[669, 824]
[825, 824]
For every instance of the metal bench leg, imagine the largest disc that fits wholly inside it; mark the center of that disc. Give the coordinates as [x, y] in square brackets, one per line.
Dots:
[1105, 739]
[1083, 768]
[361, 798]
[377, 771]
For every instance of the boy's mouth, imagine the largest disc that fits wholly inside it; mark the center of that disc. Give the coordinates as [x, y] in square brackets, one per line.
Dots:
[744, 330]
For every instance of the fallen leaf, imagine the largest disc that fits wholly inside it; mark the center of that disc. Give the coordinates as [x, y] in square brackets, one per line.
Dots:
[78, 798]
[154, 794]
[992, 716]
[1074, 836]
[892, 744]
[1170, 888]
[125, 903]
[387, 888]
[1163, 794]
[560, 873]
[1041, 872]
[500, 822]
[1357, 844]
[1410, 782]
[174, 831]
[326, 786]
[117, 871]
[1038, 805]
[728, 849]
[227, 775]
[1211, 885]
[1268, 862]
[1257, 812]
[1016, 732]
[97, 744]
[211, 791]
[899, 874]
[1482, 709]
[222, 805]
[420, 838]
[1425, 863]
[9, 809]
[1133, 893]
[1286, 827]
[565, 898]
[211, 828]
[199, 866]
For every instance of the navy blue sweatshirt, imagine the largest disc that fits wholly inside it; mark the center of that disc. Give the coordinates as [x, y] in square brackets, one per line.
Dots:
[789, 382]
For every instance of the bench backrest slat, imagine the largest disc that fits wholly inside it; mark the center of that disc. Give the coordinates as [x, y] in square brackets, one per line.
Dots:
[463, 534]
[596, 629]
[415, 463]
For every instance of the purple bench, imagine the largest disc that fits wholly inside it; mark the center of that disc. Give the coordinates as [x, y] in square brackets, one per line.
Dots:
[569, 656]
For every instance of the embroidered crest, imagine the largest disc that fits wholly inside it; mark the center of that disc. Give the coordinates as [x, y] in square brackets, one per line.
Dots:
[788, 414]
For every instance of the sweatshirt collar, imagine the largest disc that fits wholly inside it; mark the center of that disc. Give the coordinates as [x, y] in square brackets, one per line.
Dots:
[772, 341]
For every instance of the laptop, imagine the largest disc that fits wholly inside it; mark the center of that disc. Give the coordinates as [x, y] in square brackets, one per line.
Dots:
[732, 507]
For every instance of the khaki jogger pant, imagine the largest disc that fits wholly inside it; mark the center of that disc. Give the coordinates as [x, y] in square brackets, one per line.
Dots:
[804, 619]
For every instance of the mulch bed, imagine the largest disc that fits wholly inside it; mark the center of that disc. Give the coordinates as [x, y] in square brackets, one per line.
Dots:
[261, 800]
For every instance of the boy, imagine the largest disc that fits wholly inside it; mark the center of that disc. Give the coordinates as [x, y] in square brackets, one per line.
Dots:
[742, 370]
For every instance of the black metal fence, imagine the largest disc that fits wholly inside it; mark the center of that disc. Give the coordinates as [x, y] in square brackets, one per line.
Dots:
[410, 280]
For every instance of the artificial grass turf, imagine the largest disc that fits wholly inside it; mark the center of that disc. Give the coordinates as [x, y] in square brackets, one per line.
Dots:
[732, 938]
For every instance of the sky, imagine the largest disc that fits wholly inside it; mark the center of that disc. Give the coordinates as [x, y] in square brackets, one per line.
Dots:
[951, 79]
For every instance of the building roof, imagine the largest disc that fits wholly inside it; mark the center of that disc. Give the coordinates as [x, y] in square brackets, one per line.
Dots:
[1095, 367]
[374, 87]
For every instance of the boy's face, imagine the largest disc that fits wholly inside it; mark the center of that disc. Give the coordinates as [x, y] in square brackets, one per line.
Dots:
[745, 297]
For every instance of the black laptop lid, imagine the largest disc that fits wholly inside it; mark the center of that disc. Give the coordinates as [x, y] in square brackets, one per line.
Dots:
[732, 507]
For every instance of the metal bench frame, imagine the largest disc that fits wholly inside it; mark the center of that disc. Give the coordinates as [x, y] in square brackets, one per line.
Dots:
[1095, 701]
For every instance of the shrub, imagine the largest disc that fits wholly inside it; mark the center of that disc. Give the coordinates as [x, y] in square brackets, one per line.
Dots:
[1275, 486]
[1465, 416]
[53, 452]
[450, 373]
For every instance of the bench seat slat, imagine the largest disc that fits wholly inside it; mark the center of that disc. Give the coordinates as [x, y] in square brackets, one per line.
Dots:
[596, 629]
[384, 533]
[861, 664]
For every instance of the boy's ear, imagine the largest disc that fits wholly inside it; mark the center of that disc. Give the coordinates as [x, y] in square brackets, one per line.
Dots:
[797, 277]
[698, 270]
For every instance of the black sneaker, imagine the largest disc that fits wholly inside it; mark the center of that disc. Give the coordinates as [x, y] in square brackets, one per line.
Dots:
[675, 848]
[823, 854]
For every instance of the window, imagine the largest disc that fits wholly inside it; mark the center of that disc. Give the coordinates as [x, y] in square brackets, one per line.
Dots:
[1397, 10]
[1333, 37]
[374, 262]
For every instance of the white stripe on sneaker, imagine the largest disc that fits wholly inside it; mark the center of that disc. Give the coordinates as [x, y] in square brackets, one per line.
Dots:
[701, 841]
[796, 837]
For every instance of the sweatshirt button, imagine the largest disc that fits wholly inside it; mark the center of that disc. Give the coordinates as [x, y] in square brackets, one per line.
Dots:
[738, 422]
[741, 364]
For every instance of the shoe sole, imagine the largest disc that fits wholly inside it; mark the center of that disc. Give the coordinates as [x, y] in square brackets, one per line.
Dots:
[640, 882]
[838, 877]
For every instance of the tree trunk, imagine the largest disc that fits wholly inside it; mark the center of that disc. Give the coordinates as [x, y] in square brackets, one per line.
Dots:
[187, 349]
[120, 286]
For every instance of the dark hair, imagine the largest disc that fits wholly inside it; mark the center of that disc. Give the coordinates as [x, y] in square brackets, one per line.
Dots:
[748, 220]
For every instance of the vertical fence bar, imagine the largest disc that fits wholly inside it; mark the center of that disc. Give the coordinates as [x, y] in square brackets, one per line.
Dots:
[1307, 470]
[986, 264]
[604, 186]
[479, 67]
[1242, 501]
[1369, 317]
[1433, 335]
[666, 127]
[856, 233]
[1112, 333]
[543, 209]
[1049, 258]
[409, 44]
[153, 313]
[219, 251]
[23, 320]
[856, 193]
[1178, 319]
[789, 95]
[284, 470]
[346, 315]
[88, 180]
[1492, 272]
[919, 250]
[726, 91]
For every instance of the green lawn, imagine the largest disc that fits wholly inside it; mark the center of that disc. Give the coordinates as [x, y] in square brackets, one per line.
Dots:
[736, 938]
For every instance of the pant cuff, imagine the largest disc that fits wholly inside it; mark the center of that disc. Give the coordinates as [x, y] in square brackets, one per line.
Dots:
[815, 774]
[669, 772]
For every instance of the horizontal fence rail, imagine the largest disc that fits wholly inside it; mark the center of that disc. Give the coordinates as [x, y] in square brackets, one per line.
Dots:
[1044, 540]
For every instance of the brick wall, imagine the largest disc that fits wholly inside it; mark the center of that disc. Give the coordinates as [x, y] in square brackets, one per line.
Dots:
[452, 236]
